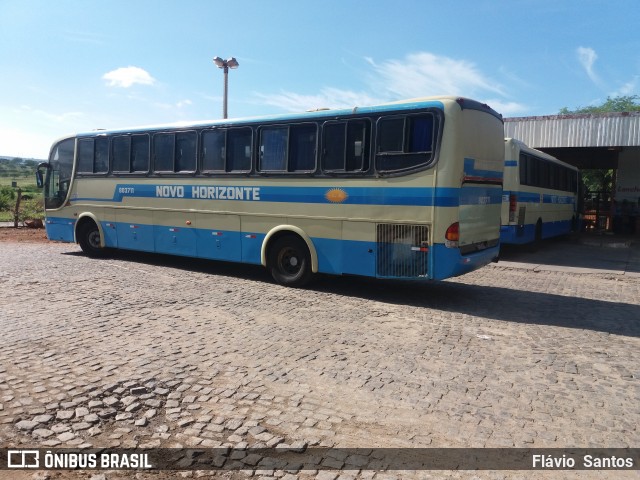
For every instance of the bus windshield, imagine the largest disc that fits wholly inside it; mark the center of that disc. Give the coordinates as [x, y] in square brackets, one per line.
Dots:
[58, 179]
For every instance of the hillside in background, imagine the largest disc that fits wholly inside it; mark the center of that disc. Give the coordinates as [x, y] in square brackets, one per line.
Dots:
[18, 167]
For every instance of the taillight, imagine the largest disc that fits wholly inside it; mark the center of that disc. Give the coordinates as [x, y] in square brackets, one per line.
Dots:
[453, 232]
[513, 205]
[452, 235]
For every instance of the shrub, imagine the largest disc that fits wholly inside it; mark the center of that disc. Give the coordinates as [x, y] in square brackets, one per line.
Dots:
[31, 209]
[7, 198]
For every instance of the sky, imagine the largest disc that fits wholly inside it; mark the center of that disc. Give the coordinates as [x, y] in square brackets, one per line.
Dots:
[69, 66]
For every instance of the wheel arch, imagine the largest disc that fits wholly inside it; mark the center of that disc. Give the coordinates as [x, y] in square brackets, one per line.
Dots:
[84, 218]
[281, 231]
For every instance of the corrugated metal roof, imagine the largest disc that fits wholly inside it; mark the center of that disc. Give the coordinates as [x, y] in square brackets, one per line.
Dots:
[586, 130]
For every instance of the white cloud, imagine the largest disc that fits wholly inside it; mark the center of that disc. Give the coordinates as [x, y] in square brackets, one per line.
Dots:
[60, 118]
[628, 88]
[507, 108]
[419, 74]
[425, 74]
[326, 98]
[126, 77]
[587, 58]
[181, 104]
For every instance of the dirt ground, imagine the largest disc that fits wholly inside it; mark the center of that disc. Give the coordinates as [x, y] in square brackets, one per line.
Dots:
[23, 234]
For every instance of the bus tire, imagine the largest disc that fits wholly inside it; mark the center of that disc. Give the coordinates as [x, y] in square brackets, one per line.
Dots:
[89, 239]
[290, 261]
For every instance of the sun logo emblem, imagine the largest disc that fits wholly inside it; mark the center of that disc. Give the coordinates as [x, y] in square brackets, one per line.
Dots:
[336, 195]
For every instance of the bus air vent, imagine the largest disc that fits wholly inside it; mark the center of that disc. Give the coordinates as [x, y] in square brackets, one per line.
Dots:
[402, 250]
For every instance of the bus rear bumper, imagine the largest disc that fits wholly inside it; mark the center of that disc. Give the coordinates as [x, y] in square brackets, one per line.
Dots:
[449, 262]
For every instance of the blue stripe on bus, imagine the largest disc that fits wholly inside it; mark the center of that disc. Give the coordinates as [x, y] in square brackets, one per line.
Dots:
[531, 197]
[471, 171]
[418, 196]
[516, 234]
[511, 163]
[335, 256]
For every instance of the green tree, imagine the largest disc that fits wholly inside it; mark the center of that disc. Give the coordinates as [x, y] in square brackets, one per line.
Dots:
[624, 103]
[597, 180]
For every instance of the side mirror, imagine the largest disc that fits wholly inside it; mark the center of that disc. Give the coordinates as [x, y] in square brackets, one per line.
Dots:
[39, 175]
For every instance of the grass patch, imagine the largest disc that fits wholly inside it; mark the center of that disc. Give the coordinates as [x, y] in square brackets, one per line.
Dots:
[31, 205]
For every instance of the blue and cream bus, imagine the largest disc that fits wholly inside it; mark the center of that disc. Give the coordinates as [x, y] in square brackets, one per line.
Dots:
[539, 198]
[409, 190]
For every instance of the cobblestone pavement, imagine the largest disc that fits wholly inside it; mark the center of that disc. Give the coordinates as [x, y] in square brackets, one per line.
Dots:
[151, 351]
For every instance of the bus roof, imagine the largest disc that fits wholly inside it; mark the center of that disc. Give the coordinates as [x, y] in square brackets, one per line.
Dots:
[411, 104]
[524, 147]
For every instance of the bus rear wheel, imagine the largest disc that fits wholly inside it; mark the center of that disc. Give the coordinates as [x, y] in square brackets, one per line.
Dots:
[290, 261]
[89, 239]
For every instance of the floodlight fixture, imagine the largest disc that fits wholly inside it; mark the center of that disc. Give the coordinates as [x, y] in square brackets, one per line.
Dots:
[226, 65]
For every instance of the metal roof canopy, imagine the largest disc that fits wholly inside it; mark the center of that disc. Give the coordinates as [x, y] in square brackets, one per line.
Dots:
[583, 140]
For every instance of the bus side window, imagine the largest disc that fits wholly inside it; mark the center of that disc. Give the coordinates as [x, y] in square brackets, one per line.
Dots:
[163, 148]
[302, 142]
[524, 172]
[273, 149]
[390, 135]
[345, 146]
[101, 160]
[85, 155]
[420, 134]
[185, 152]
[121, 146]
[357, 151]
[238, 149]
[213, 150]
[93, 155]
[333, 146]
[139, 153]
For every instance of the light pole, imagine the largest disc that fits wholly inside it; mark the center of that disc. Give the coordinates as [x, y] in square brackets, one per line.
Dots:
[226, 65]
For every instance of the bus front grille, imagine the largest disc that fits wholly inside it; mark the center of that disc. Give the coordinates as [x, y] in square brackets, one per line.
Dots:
[402, 250]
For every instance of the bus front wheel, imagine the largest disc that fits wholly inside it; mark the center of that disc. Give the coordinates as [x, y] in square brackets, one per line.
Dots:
[89, 239]
[290, 261]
